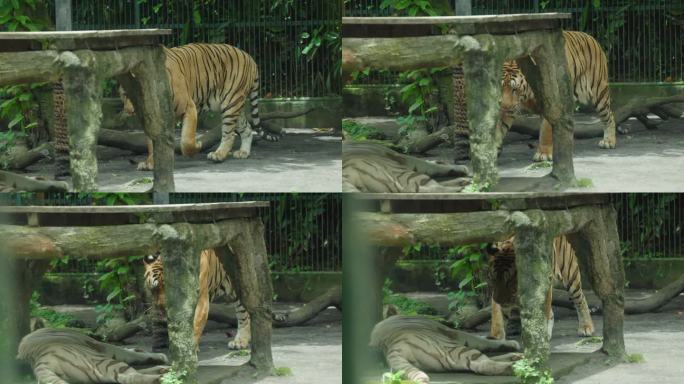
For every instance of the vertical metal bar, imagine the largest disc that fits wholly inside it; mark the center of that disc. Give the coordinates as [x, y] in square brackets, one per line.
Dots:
[63, 15]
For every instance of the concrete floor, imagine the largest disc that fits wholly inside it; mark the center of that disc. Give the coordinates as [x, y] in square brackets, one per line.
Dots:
[643, 161]
[658, 337]
[302, 161]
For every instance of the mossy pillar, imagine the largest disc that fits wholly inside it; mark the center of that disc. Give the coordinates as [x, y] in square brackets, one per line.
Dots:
[83, 108]
[482, 69]
[597, 246]
[246, 261]
[181, 280]
[546, 71]
[534, 253]
[147, 86]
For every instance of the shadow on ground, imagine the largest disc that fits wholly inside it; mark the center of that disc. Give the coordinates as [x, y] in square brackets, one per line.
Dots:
[302, 161]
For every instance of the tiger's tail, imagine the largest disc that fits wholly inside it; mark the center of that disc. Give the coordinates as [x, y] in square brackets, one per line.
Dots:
[256, 121]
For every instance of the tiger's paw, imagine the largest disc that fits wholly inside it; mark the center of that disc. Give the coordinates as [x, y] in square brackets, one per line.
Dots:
[160, 358]
[623, 130]
[238, 344]
[269, 136]
[216, 156]
[279, 317]
[511, 344]
[419, 377]
[585, 330]
[241, 154]
[607, 143]
[145, 166]
[543, 156]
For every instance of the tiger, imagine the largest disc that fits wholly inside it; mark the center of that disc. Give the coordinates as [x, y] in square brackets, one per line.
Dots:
[503, 280]
[416, 344]
[67, 356]
[214, 284]
[217, 77]
[588, 71]
[368, 167]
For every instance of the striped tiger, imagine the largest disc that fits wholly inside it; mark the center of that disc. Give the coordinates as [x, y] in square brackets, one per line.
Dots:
[373, 168]
[588, 70]
[503, 280]
[416, 344]
[214, 284]
[217, 77]
[67, 356]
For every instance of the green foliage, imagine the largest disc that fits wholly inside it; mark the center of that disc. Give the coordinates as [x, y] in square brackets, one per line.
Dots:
[529, 373]
[118, 279]
[585, 183]
[360, 131]
[470, 270]
[651, 218]
[54, 319]
[410, 7]
[635, 358]
[283, 371]
[590, 340]
[19, 15]
[420, 91]
[17, 106]
[174, 377]
[393, 377]
[405, 305]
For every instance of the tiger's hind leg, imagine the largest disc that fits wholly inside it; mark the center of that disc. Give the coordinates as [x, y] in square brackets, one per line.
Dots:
[606, 113]
[133, 357]
[44, 375]
[189, 144]
[497, 329]
[479, 363]
[244, 329]
[545, 149]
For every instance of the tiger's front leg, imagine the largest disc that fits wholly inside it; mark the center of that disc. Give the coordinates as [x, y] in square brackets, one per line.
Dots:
[545, 149]
[497, 329]
[397, 360]
[148, 164]
[244, 329]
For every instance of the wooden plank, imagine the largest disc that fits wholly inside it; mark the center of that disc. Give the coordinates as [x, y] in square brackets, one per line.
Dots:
[165, 208]
[455, 203]
[452, 20]
[74, 40]
[461, 25]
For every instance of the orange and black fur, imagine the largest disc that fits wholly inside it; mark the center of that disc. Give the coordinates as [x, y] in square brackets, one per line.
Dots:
[588, 70]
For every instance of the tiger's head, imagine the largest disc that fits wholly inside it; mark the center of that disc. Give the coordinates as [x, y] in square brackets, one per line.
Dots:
[502, 274]
[154, 272]
[513, 90]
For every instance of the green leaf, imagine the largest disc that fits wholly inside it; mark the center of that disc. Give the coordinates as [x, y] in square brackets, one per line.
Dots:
[113, 294]
[17, 119]
[416, 104]
[196, 17]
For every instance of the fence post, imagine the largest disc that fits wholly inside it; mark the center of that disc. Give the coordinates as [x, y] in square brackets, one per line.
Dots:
[63, 15]
[463, 7]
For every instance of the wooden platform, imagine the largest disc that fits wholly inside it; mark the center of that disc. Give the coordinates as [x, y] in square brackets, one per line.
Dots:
[72, 40]
[461, 25]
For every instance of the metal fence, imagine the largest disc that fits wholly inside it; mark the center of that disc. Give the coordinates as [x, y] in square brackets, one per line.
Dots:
[302, 231]
[276, 33]
[644, 39]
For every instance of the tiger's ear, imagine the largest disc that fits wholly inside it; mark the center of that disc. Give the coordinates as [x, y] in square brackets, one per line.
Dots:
[149, 259]
[491, 248]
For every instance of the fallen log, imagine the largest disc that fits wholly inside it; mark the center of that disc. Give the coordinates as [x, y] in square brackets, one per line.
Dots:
[12, 182]
[20, 157]
[332, 297]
